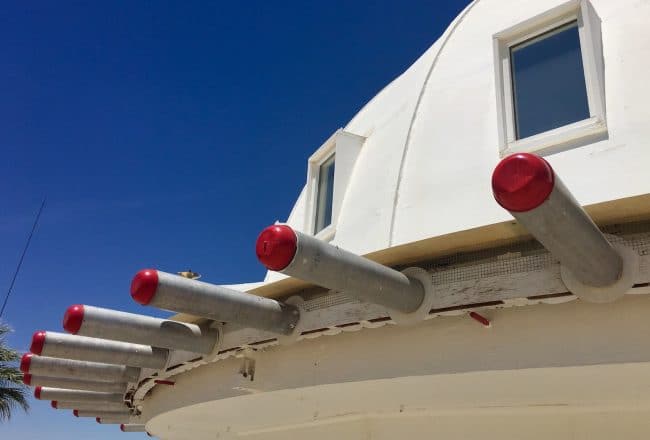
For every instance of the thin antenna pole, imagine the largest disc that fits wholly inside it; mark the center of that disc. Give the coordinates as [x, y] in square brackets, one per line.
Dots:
[22, 257]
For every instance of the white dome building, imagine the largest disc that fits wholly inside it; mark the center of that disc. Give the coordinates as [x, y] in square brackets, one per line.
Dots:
[378, 342]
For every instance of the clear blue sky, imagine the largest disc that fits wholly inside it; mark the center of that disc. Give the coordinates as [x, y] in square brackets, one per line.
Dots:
[167, 135]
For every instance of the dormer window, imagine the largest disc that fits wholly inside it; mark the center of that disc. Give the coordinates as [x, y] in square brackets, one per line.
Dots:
[550, 81]
[325, 195]
[328, 173]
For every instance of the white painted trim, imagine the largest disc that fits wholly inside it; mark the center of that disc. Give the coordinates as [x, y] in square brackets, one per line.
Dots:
[328, 232]
[592, 58]
[561, 138]
[346, 147]
[314, 162]
[571, 135]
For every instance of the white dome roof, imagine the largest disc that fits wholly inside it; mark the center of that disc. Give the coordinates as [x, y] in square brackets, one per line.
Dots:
[432, 137]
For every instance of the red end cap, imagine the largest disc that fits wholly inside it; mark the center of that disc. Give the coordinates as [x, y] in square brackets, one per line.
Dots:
[144, 286]
[37, 392]
[54, 404]
[73, 318]
[522, 182]
[27, 379]
[38, 340]
[122, 427]
[98, 420]
[75, 412]
[25, 361]
[276, 246]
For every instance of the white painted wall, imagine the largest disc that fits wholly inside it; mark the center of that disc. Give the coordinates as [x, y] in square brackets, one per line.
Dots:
[528, 364]
[453, 147]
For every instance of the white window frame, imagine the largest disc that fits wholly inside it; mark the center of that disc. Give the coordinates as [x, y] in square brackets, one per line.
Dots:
[571, 135]
[345, 148]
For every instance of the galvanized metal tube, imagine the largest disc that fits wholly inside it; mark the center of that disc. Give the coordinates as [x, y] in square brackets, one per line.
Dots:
[172, 292]
[285, 250]
[139, 329]
[527, 186]
[74, 384]
[47, 393]
[89, 406]
[132, 427]
[94, 371]
[96, 413]
[61, 345]
[115, 420]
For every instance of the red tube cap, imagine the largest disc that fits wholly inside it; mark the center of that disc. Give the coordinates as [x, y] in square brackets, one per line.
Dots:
[144, 286]
[73, 318]
[122, 427]
[98, 420]
[25, 361]
[75, 412]
[27, 379]
[480, 318]
[37, 392]
[521, 182]
[54, 404]
[276, 246]
[38, 340]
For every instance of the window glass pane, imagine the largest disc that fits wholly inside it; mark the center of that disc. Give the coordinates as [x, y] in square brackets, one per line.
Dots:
[548, 81]
[325, 195]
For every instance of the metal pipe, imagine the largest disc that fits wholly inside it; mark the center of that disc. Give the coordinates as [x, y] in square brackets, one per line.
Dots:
[97, 413]
[281, 248]
[61, 345]
[74, 384]
[138, 329]
[54, 367]
[89, 406]
[526, 186]
[47, 393]
[132, 427]
[115, 420]
[179, 294]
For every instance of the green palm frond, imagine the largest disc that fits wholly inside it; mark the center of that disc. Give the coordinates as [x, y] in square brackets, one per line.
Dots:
[7, 355]
[10, 374]
[13, 394]
[9, 399]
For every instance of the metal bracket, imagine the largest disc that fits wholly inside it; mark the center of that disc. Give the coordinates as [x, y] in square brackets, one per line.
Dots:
[247, 368]
[297, 302]
[420, 314]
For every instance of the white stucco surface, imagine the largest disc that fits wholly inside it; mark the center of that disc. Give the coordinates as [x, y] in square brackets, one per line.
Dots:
[552, 364]
[440, 118]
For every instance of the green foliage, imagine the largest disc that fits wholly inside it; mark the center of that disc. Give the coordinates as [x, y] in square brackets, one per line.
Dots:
[13, 393]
